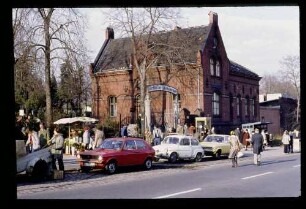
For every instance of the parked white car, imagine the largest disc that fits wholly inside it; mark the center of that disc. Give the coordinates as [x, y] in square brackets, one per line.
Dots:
[175, 147]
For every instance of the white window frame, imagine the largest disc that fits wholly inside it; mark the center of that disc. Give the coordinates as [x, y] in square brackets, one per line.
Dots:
[218, 68]
[112, 100]
[216, 104]
[212, 66]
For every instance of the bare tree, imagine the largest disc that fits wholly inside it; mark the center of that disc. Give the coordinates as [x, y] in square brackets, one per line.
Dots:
[151, 45]
[290, 71]
[54, 34]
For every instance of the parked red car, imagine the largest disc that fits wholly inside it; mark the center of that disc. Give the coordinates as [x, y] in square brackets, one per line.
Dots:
[115, 152]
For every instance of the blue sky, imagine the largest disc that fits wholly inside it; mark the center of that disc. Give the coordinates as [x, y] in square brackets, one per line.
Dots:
[255, 37]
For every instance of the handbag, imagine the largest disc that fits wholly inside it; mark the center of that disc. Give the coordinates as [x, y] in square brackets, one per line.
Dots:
[239, 154]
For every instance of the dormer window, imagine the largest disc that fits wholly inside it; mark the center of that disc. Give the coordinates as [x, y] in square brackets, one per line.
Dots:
[215, 68]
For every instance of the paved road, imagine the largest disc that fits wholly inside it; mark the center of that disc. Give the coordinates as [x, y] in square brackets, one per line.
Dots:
[76, 180]
[106, 184]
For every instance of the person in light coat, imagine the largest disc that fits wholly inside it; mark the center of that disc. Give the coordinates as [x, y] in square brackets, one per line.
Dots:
[257, 143]
[57, 146]
[99, 136]
[235, 148]
[33, 141]
[286, 141]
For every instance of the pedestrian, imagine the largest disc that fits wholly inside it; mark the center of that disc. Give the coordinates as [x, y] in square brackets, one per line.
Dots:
[124, 132]
[257, 144]
[43, 135]
[32, 144]
[57, 146]
[246, 138]
[286, 141]
[235, 148]
[290, 150]
[99, 136]
[86, 137]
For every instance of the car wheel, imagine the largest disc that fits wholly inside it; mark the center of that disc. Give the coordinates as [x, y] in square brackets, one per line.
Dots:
[111, 167]
[85, 169]
[173, 157]
[218, 155]
[198, 157]
[40, 170]
[148, 164]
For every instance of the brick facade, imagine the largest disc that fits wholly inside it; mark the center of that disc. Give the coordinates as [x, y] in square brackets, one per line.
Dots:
[195, 85]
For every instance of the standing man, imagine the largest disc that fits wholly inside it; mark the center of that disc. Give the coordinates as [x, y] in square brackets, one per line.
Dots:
[257, 143]
[57, 143]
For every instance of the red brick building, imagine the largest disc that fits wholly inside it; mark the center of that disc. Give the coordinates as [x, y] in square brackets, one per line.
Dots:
[208, 84]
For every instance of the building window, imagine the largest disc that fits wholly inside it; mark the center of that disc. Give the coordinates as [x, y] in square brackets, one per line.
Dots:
[246, 106]
[212, 65]
[238, 106]
[216, 104]
[252, 107]
[218, 68]
[112, 106]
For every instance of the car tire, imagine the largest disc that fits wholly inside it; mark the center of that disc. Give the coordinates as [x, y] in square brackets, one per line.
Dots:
[111, 167]
[85, 169]
[173, 157]
[40, 170]
[198, 157]
[218, 155]
[148, 164]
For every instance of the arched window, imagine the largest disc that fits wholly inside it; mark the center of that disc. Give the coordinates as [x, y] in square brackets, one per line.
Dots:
[112, 102]
[218, 68]
[212, 66]
[216, 104]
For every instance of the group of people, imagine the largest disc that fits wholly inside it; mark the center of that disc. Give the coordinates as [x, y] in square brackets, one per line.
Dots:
[256, 140]
[287, 140]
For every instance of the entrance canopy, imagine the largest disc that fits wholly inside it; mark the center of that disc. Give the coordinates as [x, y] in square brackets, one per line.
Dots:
[162, 88]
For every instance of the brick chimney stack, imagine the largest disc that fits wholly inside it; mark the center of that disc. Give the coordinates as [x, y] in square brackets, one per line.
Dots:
[213, 17]
[109, 33]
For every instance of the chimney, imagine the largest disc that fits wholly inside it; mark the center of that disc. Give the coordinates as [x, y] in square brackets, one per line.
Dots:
[109, 33]
[213, 17]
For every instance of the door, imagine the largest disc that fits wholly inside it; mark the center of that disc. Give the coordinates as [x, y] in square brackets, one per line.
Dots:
[185, 149]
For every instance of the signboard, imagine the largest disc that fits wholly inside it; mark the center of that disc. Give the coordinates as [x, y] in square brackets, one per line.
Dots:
[162, 88]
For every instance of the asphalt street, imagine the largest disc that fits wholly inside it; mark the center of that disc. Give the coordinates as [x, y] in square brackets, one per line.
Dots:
[75, 180]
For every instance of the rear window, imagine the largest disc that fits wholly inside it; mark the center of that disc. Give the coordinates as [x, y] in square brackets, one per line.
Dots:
[140, 144]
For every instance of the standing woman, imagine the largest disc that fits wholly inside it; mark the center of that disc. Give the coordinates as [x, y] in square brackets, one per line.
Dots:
[57, 143]
[286, 141]
[235, 148]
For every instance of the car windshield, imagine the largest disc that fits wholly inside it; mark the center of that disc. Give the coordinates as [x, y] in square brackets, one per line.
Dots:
[111, 144]
[214, 139]
[171, 140]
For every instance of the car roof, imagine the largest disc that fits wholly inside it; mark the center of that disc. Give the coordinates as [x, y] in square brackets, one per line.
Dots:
[124, 138]
[218, 135]
[180, 136]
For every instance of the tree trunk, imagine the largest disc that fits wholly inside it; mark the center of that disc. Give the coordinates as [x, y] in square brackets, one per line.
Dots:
[48, 113]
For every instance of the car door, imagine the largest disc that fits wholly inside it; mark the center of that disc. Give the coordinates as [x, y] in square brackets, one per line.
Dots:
[195, 146]
[226, 145]
[130, 153]
[185, 149]
[141, 152]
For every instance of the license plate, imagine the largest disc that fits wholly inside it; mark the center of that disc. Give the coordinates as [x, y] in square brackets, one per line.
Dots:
[89, 164]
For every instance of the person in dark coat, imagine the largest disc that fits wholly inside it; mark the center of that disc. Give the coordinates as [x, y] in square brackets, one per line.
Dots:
[257, 143]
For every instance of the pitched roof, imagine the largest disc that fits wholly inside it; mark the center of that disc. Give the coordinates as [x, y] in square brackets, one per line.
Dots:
[116, 53]
[236, 69]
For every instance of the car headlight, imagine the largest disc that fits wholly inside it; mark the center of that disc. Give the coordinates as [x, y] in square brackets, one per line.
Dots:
[78, 156]
[100, 158]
